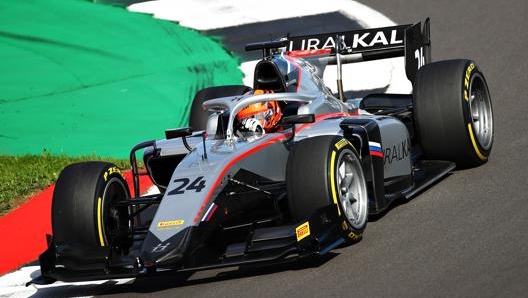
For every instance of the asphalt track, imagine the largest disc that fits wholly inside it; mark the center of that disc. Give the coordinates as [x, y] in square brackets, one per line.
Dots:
[465, 237]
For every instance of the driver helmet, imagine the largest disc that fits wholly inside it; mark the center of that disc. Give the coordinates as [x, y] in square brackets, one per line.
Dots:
[268, 113]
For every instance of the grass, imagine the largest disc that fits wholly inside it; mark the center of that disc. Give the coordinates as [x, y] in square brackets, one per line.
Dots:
[23, 176]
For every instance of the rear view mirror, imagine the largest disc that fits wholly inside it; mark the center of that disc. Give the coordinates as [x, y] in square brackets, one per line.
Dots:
[178, 133]
[296, 119]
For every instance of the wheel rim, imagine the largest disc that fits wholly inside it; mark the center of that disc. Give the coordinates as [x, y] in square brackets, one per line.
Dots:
[115, 219]
[481, 112]
[352, 189]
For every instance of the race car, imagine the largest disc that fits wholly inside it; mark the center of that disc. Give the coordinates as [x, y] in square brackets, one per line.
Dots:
[243, 190]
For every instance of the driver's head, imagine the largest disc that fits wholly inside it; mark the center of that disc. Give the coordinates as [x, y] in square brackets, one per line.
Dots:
[268, 113]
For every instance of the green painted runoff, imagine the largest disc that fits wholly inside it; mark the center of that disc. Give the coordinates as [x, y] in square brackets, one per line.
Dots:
[78, 78]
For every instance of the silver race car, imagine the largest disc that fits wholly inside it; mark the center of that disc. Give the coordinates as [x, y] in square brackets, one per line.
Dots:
[296, 175]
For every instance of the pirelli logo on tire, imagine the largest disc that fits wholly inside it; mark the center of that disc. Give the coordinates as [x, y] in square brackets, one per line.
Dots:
[302, 231]
[342, 143]
[467, 76]
[111, 171]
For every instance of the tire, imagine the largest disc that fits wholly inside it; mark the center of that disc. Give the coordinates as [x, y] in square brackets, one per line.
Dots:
[198, 116]
[453, 112]
[315, 179]
[82, 215]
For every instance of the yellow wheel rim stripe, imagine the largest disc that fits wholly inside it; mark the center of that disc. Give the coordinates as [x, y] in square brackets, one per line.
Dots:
[100, 221]
[479, 154]
[332, 180]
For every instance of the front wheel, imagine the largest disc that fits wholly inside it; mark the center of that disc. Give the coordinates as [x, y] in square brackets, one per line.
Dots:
[326, 170]
[84, 209]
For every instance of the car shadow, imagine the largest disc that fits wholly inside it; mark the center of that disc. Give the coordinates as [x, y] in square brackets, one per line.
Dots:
[155, 283]
[164, 281]
[402, 201]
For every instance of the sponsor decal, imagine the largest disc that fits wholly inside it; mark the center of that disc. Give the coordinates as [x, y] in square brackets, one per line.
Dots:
[302, 231]
[165, 225]
[353, 41]
[375, 149]
[469, 69]
[342, 143]
[397, 152]
[111, 171]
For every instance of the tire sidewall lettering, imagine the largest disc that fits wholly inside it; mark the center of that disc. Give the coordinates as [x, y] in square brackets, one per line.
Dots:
[354, 236]
[111, 170]
[350, 234]
[470, 71]
[341, 143]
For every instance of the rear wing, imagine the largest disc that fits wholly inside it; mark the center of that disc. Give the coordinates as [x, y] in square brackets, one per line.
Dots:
[410, 41]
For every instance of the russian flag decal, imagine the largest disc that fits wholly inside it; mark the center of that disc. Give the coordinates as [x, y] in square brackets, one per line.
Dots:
[375, 149]
[209, 213]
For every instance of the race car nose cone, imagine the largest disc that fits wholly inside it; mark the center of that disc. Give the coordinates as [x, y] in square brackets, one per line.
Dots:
[165, 254]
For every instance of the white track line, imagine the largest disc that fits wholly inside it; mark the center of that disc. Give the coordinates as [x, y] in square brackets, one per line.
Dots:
[215, 14]
[13, 285]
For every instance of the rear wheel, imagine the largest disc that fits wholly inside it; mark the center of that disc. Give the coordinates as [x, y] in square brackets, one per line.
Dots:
[453, 112]
[198, 116]
[83, 209]
[326, 170]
